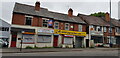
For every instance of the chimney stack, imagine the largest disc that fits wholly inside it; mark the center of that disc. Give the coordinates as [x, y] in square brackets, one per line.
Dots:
[70, 12]
[37, 6]
[107, 17]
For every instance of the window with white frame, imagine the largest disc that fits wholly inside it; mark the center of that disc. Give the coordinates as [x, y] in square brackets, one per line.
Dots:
[80, 28]
[100, 28]
[95, 28]
[45, 22]
[66, 26]
[105, 29]
[28, 20]
[56, 25]
[110, 30]
[117, 29]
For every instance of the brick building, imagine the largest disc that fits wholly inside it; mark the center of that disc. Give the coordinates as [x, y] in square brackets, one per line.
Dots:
[95, 29]
[109, 32]
[40, 27]
[116, 23]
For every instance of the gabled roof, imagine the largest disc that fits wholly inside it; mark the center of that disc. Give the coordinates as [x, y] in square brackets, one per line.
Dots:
[115, 22]
[4, 23]
[28, 9]
[92, 20]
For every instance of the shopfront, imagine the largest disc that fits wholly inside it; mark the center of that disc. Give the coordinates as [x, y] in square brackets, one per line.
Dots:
[44, 37]
[97, 37]
[27, 36]
[79, 42]
[70, 38]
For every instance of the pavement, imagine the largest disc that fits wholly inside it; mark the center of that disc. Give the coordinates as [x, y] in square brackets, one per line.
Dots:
[17, 50]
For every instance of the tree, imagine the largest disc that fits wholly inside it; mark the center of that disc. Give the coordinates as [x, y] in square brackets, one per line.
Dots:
[99, 14]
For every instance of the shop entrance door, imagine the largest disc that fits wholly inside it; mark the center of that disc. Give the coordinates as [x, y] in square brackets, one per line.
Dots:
[87, 42]
[78, 42]
[55, 44]
[13, 41]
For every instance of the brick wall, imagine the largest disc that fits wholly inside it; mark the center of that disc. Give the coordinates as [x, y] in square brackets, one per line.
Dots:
[108, 34]
[75, 27]
[84, 28]
[18, 19]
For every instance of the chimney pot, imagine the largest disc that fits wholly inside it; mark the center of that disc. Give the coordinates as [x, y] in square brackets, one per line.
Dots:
[107, 17]
[70, 12]
[37, 6]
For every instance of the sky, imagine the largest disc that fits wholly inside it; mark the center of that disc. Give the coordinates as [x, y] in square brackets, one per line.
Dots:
[79, 6]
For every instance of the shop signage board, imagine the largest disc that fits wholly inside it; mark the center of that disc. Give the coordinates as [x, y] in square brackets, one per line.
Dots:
[67, 32]
[96, 33]
[45, 30]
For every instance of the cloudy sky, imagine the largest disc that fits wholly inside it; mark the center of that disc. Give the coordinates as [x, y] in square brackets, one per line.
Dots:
[79, 6]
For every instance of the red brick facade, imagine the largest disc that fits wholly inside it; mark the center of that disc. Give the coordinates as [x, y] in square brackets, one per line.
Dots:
[19, 19]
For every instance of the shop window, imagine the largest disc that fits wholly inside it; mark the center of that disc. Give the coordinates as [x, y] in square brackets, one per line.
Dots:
[56, 25]
[68, 40]
[105, 30]
[45, 22]
[44, 39]
[80, 28]
[97, 39]
[28, 38]
[66, 26]
[28, 20]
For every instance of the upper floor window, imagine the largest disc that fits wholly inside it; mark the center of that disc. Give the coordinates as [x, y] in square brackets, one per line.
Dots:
[56, 25]
[105, 30]
[28, 20]
[80, 28]
[110, 30]
[118, 29]
[66, 26]
[95, 28]
[100, 28]
[4, 28]
[45, 22]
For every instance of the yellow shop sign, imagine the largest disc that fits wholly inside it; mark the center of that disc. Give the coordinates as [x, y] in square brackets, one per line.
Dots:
[66, 32]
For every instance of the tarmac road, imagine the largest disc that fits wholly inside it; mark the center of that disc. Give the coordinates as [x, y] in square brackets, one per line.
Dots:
[87, 52]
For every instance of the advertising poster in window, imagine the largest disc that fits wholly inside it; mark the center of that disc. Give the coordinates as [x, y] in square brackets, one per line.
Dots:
[50, 23]
[44, 39]
[28, 39]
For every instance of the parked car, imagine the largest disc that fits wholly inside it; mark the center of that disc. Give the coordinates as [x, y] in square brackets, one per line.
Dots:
[99, 45]
[3, 43]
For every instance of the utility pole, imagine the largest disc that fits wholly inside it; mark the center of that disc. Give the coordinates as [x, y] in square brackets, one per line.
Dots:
[110, 26]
